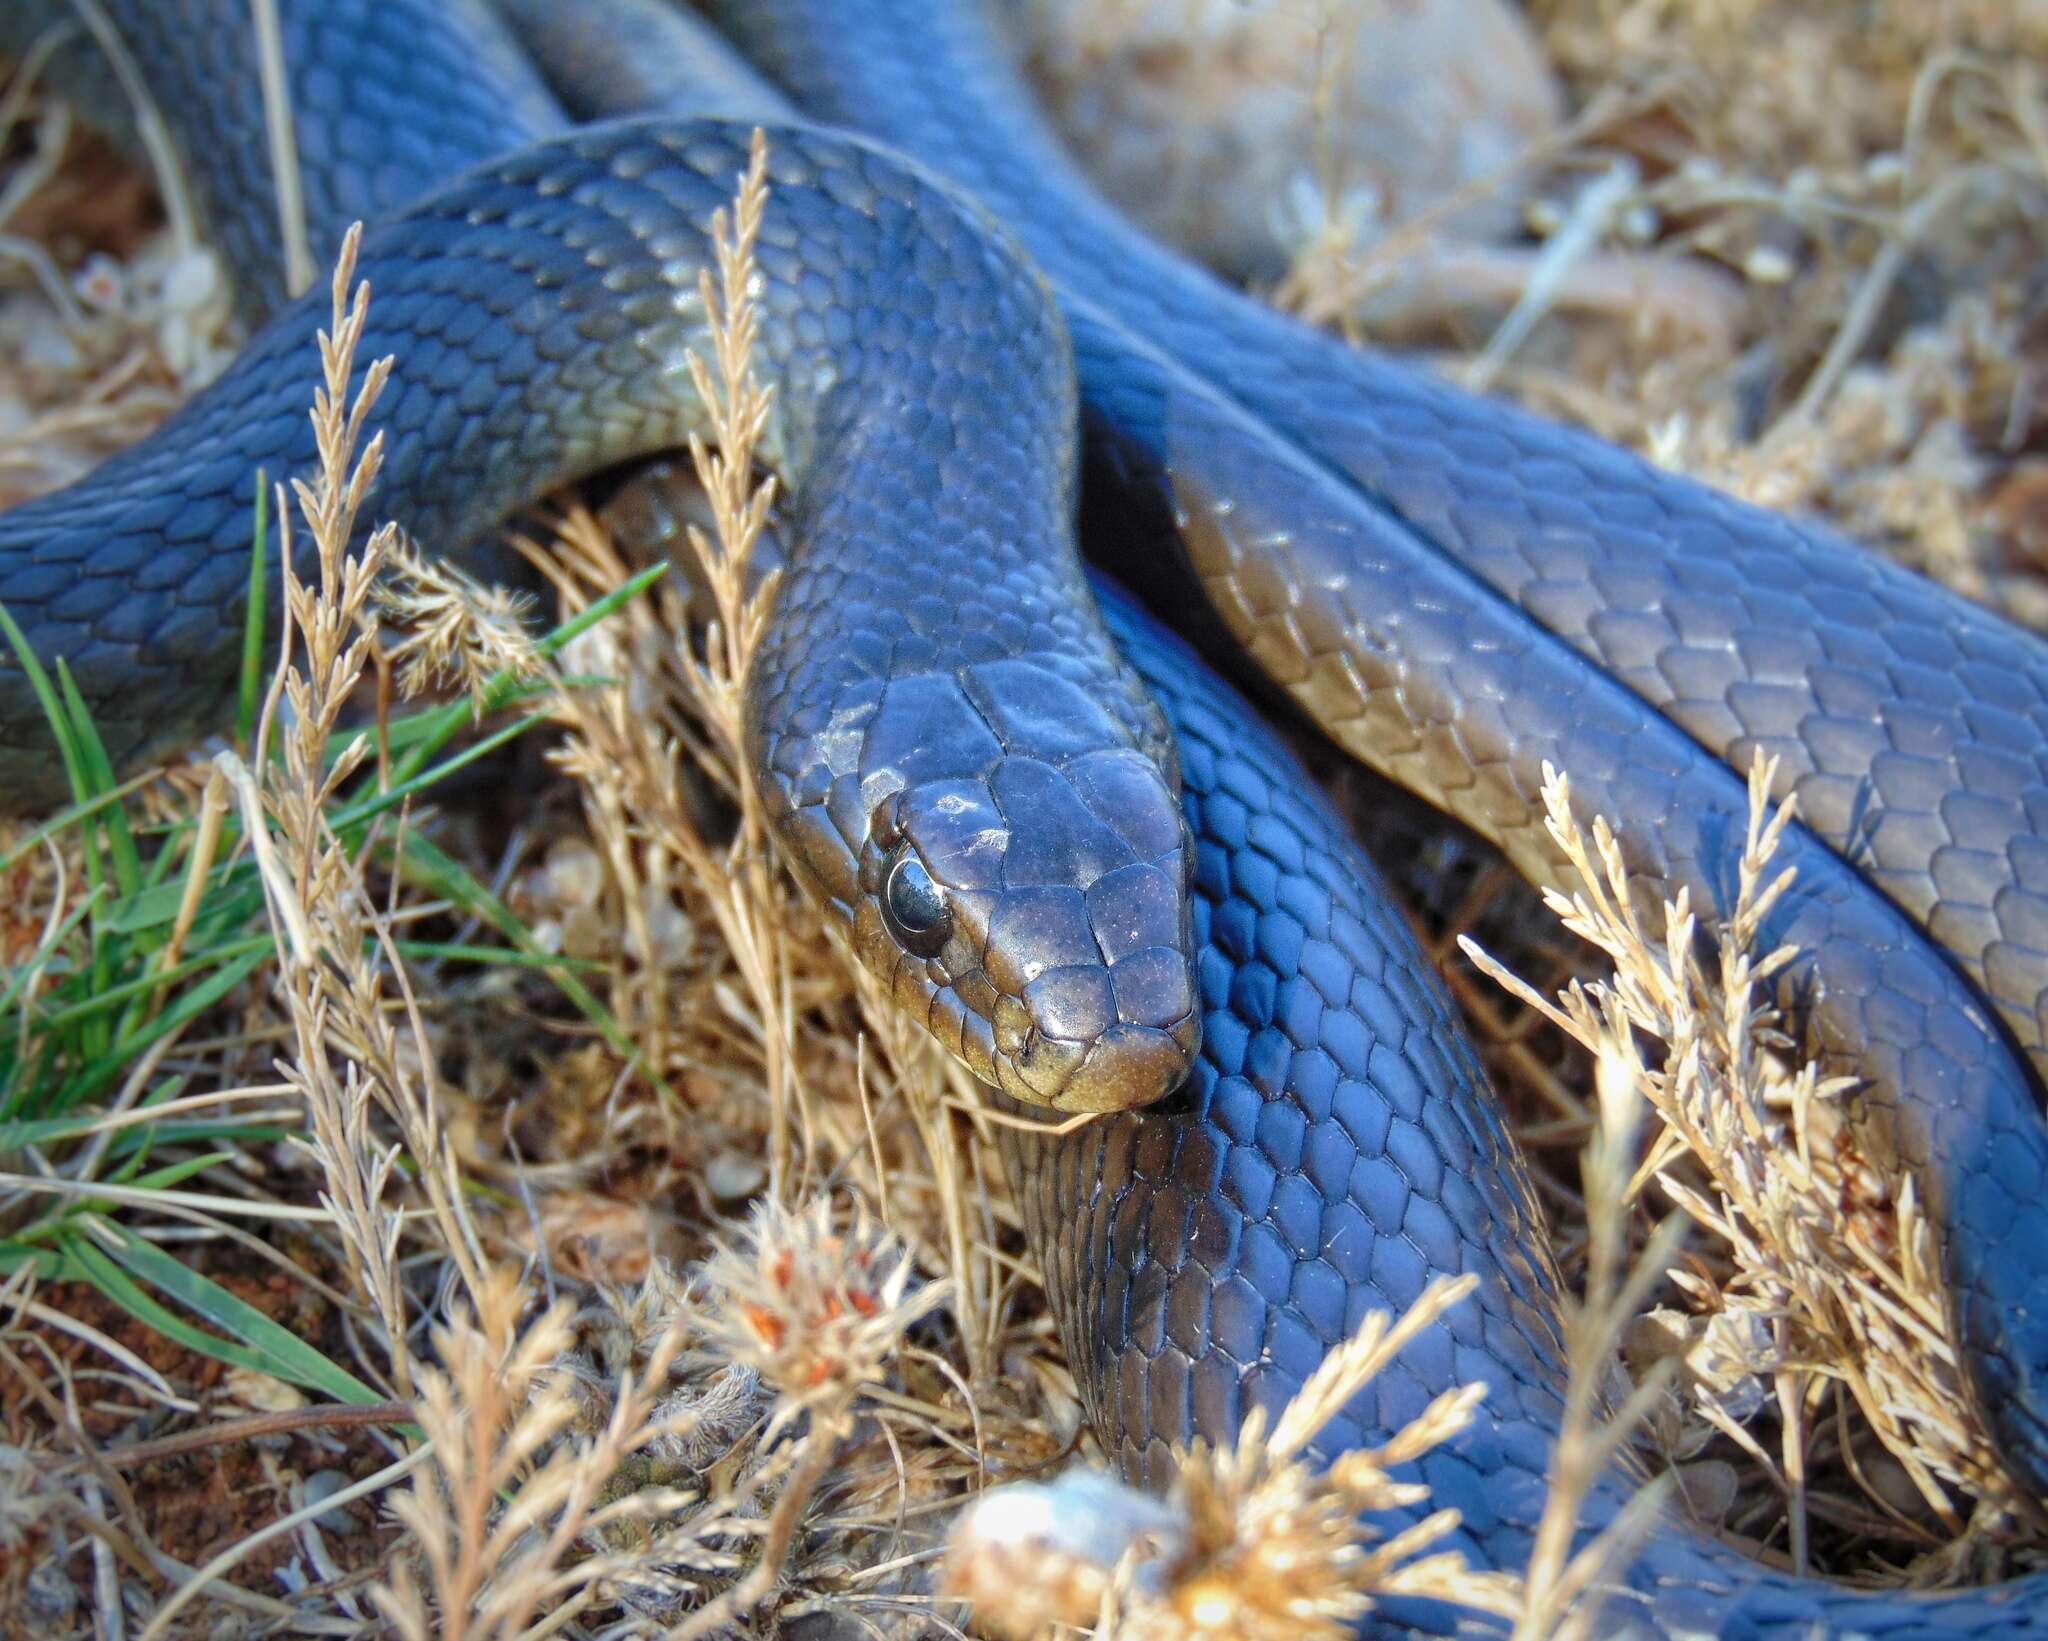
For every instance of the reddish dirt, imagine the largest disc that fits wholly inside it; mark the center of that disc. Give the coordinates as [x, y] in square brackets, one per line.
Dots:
[192, 1504]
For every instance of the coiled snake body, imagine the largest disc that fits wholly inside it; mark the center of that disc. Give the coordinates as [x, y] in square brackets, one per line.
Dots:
[984, 784]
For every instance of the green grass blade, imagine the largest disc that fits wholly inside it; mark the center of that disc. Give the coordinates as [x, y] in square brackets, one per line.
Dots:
[110, 1065]
[254, 1340]
[44, 1131]
[485, 955]
[76, 769]
[617, 599]
[231, 895]
[107, 1000]
[48, 1264]
[194, 1133]
[28, 1077]
[167, 1178]
[503, 685]
[48, 1131]
[55, 1130]
[98, 770]
[252, 620]
[46, 697]
[426, 864]
[347, 820]
[409, 729]
[24, 972]
[70, 816]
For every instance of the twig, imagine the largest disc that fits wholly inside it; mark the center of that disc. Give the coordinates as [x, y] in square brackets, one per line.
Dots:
[256, 1425]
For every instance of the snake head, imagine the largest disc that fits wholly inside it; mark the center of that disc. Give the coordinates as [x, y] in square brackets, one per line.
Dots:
[1037, 919]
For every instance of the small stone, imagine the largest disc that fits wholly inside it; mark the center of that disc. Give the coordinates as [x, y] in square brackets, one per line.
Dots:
[192, 280]
[585, 934]
[669, 931]
[1649, 1339]
[1892, 1482]
[1197, 115]
[734, 1176]
[575, 872]
[49, 348]
[324, 1484]
[1768, 265]
[101, 283]
[262, 1393]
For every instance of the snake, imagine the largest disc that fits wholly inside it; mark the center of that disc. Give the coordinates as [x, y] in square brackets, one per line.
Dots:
[1059, 840]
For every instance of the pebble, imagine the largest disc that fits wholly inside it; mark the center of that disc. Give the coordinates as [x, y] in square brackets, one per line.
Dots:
[1201, 116]
[324, 1484]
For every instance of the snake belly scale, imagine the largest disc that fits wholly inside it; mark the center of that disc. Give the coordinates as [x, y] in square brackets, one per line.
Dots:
[1067, 849]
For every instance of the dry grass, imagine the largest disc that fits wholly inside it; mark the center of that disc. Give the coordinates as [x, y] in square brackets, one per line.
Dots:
[633, 1411]
[811, 1306]
[1253, 1542]
[1826, 1283]
[1879, 184]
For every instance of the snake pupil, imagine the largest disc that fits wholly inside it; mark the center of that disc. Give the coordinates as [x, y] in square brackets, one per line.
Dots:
[914, 907]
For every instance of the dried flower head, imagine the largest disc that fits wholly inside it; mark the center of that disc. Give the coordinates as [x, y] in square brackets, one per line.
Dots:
[458, 628]
[1256, 1541]
[1276, 1548]
[816, 1310]
[1030, 1555]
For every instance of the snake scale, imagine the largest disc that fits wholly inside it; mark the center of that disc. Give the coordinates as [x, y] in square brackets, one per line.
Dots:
[1066, 846]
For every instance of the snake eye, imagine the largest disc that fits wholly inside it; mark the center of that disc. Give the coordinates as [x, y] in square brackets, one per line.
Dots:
[914, 907]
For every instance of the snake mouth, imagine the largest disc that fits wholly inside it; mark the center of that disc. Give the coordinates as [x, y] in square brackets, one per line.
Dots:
[1092, 1003]
[1090, 1037]
[1126, 1066]
[1106, 1030]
